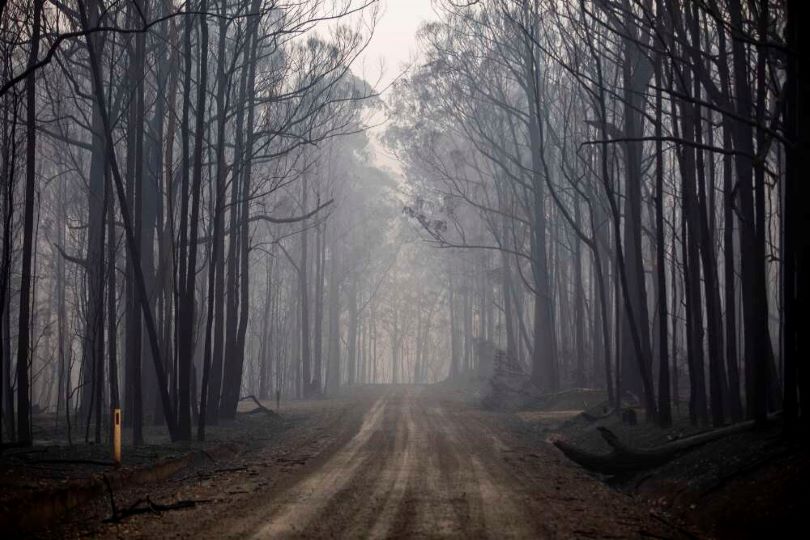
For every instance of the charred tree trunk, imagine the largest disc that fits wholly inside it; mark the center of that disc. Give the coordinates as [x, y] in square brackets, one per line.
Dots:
[664, 401]
[796, 265]
[187, 244]
[24, 330]
[217, 269]
[755, 308]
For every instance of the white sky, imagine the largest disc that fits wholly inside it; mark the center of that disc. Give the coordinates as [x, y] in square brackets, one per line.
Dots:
[394, 40]
[390, 51]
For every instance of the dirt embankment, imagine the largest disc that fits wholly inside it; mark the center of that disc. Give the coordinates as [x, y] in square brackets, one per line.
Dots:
[750, 484]
[56, 490]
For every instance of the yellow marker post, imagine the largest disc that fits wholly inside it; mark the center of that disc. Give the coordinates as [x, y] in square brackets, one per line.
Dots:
[117, 436]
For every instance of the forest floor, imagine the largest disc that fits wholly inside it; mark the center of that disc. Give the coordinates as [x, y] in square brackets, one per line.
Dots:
[751, 484]
[421, 461]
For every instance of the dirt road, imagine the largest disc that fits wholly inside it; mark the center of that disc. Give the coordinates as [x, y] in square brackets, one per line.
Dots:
[412, 463]
[419, 467]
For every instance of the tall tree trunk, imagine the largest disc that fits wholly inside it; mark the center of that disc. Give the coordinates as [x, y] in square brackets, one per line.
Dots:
[24, 329]
[199, 132]
[7, 420]
[333, 301]
[303, 288]
[664, 401]
[544, 349]
[151, 208]
[243, 151]
[217, 270]
[112, 312]
[506, 292]
[635, 74]
[796, 218]
[187, 253]
[135, 182]
[717, 373]
[265, 346]
[454, 345]
[691, 236]
[580, 378]
[755, 309]
[320, 256]
[351, 336]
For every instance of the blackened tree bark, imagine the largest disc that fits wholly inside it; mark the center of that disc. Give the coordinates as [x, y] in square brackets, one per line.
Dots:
[796, 265]
[185, 303]
[544, 352]
[152, 211]
[135, 181]
[714, 324]
[235, 361]
[112, 312]
[636, 73]
[217, 268]
[755, 307]
[24, 334]
[581, 378]
[664, 400]
[244, 229]
[94, 324]
[729, 272]
[265, 346]
[7, 420]
[197, 186]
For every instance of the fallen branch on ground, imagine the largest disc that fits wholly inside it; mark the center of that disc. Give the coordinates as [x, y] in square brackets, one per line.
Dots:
[622, 459]
[231, 469]
[72, 462]
[259, 406]
[147, 506]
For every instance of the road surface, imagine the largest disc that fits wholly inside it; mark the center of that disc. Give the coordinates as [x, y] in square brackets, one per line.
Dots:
[415, 468]
[407, 462]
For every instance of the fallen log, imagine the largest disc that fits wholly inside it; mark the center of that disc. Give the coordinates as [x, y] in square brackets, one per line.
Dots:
[611, 463]
[622, 459]
[676, 446]
[259, 407]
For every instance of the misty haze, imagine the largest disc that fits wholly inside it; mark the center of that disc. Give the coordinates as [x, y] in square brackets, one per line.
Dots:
[404, 269]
